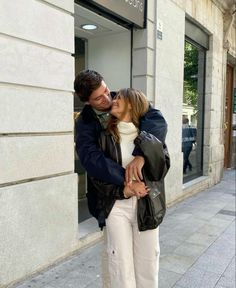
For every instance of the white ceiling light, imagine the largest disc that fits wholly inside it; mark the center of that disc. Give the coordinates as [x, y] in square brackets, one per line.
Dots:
[89, 27]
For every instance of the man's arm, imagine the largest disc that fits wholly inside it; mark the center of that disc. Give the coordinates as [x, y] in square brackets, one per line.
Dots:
[92, 157]
[154, 123]
[120, 192]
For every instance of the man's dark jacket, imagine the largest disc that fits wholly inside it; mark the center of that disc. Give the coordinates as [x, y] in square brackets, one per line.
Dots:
[97, 165]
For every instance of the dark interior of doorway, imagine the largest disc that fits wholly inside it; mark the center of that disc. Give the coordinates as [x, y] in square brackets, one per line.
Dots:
[80, 64]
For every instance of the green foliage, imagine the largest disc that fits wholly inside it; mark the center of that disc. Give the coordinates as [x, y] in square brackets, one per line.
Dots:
[190, 75]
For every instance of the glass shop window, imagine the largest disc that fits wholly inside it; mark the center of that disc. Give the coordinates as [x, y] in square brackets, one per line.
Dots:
[193, 110]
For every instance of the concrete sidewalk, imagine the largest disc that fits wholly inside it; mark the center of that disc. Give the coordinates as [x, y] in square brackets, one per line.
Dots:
[197, 241]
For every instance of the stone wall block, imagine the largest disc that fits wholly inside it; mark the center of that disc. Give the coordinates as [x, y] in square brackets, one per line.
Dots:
[151, 35]
[217, 170]
[212, 119]
[150, 62]
[39, 225]
[140, 82]
[28, 109]
[39, 17]
[140, 62]
[216, 136]
[207, 136]
[150, 88]
[173, 186]
[208, 99]
[207, 155]
[213, 101]
[144, 37]
[210, 85]
[146, 84]
[39, 156]
[140, 38]
[173, 70]
[218, 153]
[67, 5]
[151, 6]
[171, 109]
[232, 41]
[29, 64]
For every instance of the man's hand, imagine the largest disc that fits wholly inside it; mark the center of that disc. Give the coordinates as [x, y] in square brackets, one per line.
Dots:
[134, 169]
[128, 192]
[139, 189]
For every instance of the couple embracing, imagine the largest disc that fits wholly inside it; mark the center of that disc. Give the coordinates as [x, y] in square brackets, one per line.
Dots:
[120, 140]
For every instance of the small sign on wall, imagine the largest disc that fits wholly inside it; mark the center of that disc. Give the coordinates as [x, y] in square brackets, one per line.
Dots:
[131, 10]
[159, 29]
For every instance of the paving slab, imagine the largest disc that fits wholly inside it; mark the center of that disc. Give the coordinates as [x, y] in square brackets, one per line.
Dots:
[167, 278]
[196, 278]
[177, 263]
[212, 263]
[189, 250]
[226, 281]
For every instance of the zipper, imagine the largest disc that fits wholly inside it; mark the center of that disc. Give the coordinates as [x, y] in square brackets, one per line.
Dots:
[117, 159]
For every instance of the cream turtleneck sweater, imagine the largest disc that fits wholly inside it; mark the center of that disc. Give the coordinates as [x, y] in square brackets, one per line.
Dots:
[128, 132]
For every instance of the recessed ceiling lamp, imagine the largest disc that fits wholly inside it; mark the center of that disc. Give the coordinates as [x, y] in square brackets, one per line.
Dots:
[89, 27]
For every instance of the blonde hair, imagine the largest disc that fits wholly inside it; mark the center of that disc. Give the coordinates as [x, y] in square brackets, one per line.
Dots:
[139, 104]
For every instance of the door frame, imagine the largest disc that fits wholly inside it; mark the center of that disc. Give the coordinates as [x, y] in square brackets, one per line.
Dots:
[228, 116]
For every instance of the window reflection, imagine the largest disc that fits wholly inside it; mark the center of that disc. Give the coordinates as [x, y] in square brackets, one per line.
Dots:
[192, 115]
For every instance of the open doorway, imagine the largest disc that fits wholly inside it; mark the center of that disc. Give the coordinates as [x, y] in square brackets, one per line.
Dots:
[107, 49]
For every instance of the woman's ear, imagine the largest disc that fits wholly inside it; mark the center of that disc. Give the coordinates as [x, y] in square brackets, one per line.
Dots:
[129, 106]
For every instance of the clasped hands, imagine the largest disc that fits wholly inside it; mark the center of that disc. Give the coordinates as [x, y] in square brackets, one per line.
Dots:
[133, 179]
[135, 188]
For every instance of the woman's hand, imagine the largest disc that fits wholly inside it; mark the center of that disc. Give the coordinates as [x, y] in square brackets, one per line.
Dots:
[128, 192]
[134, 169]
[138, 188]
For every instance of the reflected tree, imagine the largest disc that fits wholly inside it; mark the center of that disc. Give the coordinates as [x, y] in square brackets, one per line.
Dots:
[190, 75]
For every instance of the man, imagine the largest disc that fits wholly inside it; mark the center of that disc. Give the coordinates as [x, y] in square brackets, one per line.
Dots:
[90, 87]
[188, 139]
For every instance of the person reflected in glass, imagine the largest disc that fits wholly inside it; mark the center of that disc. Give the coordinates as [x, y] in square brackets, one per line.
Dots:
[188, 139]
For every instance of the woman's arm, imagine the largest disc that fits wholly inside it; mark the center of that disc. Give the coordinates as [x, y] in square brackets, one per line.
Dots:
[157, 160]
[154, 123]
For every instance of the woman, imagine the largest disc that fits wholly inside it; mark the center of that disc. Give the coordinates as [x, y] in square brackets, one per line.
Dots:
[133, 256]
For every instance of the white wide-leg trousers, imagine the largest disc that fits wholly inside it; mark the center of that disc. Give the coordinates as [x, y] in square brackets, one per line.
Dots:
[133, 256]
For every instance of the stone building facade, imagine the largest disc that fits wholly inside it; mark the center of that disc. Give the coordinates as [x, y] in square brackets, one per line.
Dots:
[38, 181]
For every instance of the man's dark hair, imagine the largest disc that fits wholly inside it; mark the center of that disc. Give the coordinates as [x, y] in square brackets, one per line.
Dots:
[86, 82]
